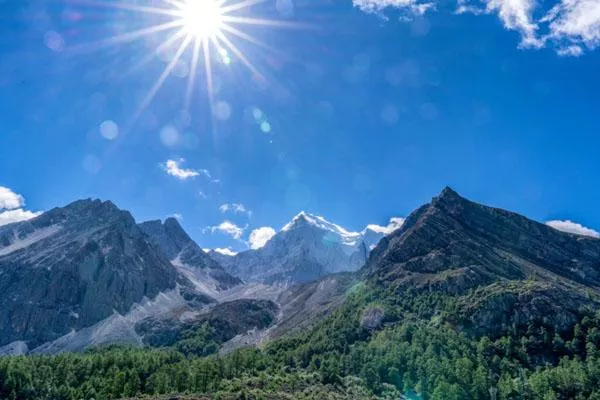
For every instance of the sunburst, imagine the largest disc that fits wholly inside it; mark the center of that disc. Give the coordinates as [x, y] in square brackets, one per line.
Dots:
[209, 27]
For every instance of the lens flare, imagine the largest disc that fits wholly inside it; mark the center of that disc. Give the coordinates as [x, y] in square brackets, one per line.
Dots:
[209, 28]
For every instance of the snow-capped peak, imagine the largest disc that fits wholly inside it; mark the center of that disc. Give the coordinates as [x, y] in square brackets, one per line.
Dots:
[307, 247]
[319, 222]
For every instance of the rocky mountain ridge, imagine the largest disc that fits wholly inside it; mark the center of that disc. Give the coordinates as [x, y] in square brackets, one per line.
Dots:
[71, 267]
[506, 270]
[186, 255]
[307, 248]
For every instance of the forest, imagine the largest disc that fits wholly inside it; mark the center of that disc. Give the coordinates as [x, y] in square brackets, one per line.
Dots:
[411, 351]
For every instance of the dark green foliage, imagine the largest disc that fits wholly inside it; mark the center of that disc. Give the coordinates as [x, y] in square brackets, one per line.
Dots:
[415, 351]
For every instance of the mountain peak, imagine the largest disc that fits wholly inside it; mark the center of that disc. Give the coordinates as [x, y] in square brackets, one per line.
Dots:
[303, 218]
[448, 194]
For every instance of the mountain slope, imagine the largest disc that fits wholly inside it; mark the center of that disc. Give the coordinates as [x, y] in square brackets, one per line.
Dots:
[464, 302]
[305, 249]
[509, 271]
[186, 255]
[74, 266]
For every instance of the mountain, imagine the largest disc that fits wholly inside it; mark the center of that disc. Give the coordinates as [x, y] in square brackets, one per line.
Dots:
[506, 271]
[305, 249]
[187, 256]
[71, 267]
[464, 301]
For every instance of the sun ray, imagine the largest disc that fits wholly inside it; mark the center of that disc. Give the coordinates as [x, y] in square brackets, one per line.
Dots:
[208, 27]
[241, 5]
[239, 54]
[243, 35]
[128, 6]
[126, 37]
[162, 47]
[208, 72]
[160, 81]
[263, 22]
[192, 76]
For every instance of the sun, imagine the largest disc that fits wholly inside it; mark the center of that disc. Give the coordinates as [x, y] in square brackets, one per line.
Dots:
[208, 29]
[202, 19]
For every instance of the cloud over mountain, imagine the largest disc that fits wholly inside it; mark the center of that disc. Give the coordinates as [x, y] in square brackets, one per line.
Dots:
[259, 237]
[12, 207]
[573, 227]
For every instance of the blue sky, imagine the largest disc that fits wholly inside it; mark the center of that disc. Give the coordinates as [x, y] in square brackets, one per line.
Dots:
[362, 111]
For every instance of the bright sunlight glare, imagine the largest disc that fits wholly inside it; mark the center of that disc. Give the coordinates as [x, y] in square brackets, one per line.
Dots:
[208, 28]
[202, 18]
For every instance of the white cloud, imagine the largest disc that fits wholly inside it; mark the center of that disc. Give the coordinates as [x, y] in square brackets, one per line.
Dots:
[16, 215]
[10, 200]
[228, 228]
[225, 251]
[259, 237]
[236, 208]
[394, 224]
[378, 6]
[517, 15]
[570, 26]
[11, 207]
[174, 168]
[573, 227]
[177, 216]
[572, 51]
[575, 23]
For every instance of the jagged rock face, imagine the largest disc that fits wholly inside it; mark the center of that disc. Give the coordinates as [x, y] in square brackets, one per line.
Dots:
[225, 321]
[452, 245]
[74, 266]
[183, 251]
[454, 234]
[510, 306]
[307, 248]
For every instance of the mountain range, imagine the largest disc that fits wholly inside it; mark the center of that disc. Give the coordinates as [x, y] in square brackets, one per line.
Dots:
[88, 274]
[305, 249]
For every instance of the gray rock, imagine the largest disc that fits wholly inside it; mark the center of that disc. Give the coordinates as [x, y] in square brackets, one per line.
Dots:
[182, 250]
[74, 266]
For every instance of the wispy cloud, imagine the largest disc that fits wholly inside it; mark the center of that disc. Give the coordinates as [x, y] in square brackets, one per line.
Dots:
[517, 15]
[177, 216]
[259, 237]
[416, 7]
[236, 208]
[228, 228]
[11, 207]
[574, 24]
[174, 168]
[573, 227]
[570, 27]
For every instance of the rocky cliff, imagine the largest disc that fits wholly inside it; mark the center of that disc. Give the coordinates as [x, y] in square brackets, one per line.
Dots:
[176, 244]
[74, 266]
[506, 271]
